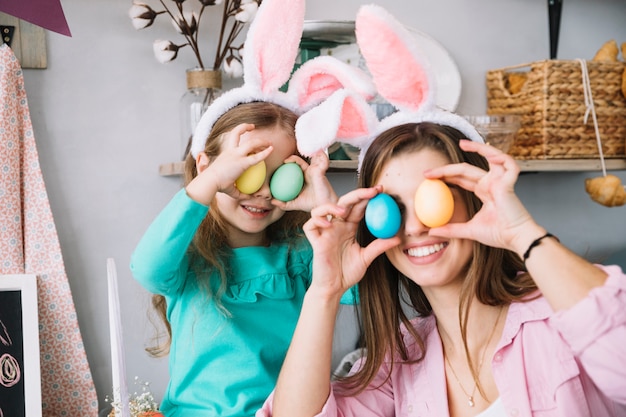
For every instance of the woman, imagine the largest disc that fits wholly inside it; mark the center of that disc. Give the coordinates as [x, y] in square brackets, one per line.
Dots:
[510, 322]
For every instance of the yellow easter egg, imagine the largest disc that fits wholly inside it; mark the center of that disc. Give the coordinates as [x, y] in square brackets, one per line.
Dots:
[252, 178]
[434, 204]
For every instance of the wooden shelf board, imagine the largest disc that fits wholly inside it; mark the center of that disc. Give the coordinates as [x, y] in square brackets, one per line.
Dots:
[526, 165]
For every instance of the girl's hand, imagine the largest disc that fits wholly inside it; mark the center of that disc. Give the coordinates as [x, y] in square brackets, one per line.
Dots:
[503, 220]
[339, 262]
[220, 174]
[317, 189]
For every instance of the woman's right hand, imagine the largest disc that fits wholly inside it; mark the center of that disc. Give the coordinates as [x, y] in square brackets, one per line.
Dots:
[221, 173]
[339, 262]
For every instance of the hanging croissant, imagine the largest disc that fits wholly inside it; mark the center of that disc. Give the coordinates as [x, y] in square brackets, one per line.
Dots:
[607, 52]
[607, 190]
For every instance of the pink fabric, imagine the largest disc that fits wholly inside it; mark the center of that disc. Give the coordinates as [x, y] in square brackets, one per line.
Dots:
[29, 244]
[572, 364]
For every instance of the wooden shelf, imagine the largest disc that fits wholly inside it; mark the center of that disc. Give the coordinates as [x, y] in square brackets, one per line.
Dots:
[171, 169]
[535, 165]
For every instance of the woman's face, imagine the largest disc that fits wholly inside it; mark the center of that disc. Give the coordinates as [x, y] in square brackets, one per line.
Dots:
[429, 261]
[248, 216]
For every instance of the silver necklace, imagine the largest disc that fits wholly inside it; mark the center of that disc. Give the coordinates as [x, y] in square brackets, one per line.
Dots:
[470, 398]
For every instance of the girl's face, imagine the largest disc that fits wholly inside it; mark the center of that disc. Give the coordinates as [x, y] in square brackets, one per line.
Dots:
[429, 261]
[247, 217]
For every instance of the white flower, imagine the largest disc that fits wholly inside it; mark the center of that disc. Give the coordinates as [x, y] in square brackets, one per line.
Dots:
[141, 15]
[185, 17]
[165, 51]
[186, 24]
[233, 67]
[246, 11]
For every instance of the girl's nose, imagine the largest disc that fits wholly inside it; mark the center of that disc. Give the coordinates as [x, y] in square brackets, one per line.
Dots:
[264, 191]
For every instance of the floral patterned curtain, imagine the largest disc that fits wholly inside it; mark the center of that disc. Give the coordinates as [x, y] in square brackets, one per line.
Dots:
[29, 245]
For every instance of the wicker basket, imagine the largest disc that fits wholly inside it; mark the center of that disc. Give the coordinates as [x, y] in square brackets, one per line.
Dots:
[552, 105]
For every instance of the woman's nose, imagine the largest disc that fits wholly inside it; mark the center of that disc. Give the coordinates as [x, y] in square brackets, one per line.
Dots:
[412, 225]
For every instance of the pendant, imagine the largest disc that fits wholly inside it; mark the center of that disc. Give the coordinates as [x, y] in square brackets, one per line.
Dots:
[470, 401]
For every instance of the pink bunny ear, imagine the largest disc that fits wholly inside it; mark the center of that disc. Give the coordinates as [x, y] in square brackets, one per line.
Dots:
[272, 44]
[269, 55]
[400, 73]
[318, 78]
[342, 117]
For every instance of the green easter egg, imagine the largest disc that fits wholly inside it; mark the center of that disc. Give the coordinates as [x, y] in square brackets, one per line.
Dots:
[287, 182]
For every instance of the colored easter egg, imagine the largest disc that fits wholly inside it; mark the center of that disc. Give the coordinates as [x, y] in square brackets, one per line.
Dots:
[252, 178]
[287, 182]
[434, 204]
[382, 216]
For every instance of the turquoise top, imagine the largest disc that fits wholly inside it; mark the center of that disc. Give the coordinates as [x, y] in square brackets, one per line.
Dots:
[222, 366]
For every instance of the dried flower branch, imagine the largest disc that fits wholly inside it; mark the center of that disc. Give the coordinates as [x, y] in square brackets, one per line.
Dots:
[236, 14]
[140, 404]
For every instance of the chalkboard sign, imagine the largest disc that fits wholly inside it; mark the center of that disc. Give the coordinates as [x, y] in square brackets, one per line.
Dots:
[20, 382]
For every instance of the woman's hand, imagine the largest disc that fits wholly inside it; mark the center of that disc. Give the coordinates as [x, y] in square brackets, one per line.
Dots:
[221, 173]
[339, 262]
[317, 189]
[503, 221]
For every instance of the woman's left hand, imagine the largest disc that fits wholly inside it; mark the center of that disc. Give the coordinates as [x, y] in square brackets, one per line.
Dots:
[339, 262]
[317, 190]
[503, 220]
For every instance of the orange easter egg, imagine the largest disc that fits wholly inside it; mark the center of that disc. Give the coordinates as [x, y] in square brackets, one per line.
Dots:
[434, 204]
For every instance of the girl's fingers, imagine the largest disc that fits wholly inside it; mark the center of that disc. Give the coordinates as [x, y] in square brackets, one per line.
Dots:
[233, 138]
[320, 159]
[255, 158]
[295, 158]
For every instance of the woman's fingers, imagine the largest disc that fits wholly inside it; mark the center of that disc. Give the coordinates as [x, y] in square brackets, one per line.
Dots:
[378, 247]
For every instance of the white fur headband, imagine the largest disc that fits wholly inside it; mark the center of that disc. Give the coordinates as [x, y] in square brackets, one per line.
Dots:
[269, 56]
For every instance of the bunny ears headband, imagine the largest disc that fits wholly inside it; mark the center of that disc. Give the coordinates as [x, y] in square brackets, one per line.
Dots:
[269, 55]
[402, 76]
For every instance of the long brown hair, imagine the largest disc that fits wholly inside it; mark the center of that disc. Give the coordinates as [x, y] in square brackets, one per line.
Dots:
[209, 249]
[491, 274]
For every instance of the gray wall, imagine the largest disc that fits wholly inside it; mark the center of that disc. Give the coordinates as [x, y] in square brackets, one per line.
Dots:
[105, 118]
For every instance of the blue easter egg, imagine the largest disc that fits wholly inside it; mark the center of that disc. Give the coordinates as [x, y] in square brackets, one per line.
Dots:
[287, 182]
[382, 216]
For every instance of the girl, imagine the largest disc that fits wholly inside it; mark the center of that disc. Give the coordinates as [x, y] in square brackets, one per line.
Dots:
[509, 322]
[230, 269]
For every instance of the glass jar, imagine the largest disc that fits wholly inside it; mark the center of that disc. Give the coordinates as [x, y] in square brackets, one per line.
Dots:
[203, 86]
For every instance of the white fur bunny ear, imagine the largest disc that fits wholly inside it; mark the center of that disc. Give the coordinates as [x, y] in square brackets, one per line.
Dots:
[401, 74]
[343, 117]
[318, 78]
[269, 54]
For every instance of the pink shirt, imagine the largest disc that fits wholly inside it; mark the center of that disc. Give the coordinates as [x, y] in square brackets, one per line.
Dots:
[572, 363]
